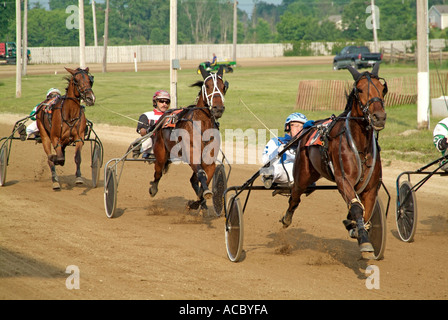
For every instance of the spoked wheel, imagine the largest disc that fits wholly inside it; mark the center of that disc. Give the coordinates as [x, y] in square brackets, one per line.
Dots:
[377, 230]
[96, 164]
[234, 229]
[110, 192]
[406, 213]
[3, 163]
[218, 188]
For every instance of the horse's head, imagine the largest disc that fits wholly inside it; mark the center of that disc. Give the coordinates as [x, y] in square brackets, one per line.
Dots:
[83, 82]
[369, 91]
[213, 90]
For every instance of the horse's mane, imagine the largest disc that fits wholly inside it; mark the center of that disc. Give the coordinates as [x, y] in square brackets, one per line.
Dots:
[197, 84]
[350, 99]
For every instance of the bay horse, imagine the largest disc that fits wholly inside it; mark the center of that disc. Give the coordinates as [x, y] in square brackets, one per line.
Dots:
[199, 142]
[348, 155]
[67, 123]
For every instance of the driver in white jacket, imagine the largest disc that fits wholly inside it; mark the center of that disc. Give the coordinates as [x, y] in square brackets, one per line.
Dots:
[440, 135]
[280, 171]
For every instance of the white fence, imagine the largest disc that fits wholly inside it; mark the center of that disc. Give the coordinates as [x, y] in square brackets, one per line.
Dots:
[151, 53]
[154, 53]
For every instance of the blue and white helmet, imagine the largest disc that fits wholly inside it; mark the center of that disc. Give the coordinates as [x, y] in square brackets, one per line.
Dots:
[297, 117]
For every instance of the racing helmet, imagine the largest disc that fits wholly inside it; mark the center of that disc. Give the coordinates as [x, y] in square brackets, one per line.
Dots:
[160, 94]
[297, 117]
[53, 90]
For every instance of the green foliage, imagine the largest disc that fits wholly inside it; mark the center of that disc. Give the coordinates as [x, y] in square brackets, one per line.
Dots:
[133, 22]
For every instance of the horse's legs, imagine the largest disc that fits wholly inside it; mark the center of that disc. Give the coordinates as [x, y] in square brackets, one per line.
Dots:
[200, 180]
[304, 175]
[356, 214]
[50, 159]
[159, 165]
[78, 148]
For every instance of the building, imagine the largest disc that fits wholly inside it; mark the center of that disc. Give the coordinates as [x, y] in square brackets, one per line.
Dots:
[438, 16]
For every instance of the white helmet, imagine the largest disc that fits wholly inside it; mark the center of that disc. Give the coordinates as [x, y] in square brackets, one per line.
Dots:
[53, 90]
[294, 117]
[160, 94]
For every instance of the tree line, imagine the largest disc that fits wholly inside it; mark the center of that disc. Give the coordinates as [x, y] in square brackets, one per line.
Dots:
[137, 22]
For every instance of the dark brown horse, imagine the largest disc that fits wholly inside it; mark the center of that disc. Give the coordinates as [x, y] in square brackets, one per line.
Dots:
[67, 123]
[349, 155]
[194, 138]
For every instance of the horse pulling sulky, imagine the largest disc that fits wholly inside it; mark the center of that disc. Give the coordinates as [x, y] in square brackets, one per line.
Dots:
[65, 125]
[344, 150]
[190, 135]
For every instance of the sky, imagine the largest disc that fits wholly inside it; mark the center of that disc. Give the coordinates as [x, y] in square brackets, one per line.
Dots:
[245, 5]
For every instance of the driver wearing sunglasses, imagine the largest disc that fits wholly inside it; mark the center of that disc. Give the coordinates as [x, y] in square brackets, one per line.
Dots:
[161, 102]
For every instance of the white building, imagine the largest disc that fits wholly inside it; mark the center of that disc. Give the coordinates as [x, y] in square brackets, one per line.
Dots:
[438, 16]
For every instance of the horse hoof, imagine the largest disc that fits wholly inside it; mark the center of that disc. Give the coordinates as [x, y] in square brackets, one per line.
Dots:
[286, 220]
[79, 180]
[192, 205]
[366, 247]
[56, 186]
[207, 194]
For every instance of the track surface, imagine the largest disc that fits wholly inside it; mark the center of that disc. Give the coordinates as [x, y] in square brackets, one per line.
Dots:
[155, 249]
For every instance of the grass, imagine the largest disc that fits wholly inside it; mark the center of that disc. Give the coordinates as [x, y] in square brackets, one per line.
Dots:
[269, 92]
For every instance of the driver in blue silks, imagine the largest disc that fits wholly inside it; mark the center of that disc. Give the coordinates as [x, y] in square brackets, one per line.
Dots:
[280, 171]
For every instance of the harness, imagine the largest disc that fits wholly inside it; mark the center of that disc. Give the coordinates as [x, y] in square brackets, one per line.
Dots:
[322, 136]
[82, 95]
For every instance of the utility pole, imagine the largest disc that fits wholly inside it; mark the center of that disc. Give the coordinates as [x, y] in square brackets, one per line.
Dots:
[82, 36]
[106, 34]
[422, 65]
[95, 35]
[235, 28]
[25, 37]
[374, 26]
[174, 62]
[18, 50]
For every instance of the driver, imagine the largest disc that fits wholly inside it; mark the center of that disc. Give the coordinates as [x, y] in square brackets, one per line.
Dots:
[440, 135]
[32, 128]
[280, 171]
[161, 102]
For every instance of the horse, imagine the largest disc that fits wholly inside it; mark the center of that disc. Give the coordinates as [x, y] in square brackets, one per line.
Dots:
[198, 129]
[67, 123]
[348, 155]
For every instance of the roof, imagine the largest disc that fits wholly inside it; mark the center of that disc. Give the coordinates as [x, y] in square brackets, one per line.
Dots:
[442, 9]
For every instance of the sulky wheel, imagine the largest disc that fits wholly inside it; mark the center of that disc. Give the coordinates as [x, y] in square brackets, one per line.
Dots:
[406, 213]
[3, 163]
[96, 165]
[218, 188]
[110, 192]
[234, 229]
[377, 230]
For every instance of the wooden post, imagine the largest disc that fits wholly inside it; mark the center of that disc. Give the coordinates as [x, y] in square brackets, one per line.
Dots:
[18, 50]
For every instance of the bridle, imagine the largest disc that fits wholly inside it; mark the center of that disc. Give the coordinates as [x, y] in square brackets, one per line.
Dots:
[208, 98]
[83, 93]
[365, 107]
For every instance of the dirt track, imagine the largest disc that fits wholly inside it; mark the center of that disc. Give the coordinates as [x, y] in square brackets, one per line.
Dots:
[155, 249]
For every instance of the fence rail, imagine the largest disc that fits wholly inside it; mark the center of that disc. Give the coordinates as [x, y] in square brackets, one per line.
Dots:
[318, 95]
[154, 53]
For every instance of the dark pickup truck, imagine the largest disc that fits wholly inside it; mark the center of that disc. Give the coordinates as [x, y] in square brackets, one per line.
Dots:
[357, 57]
